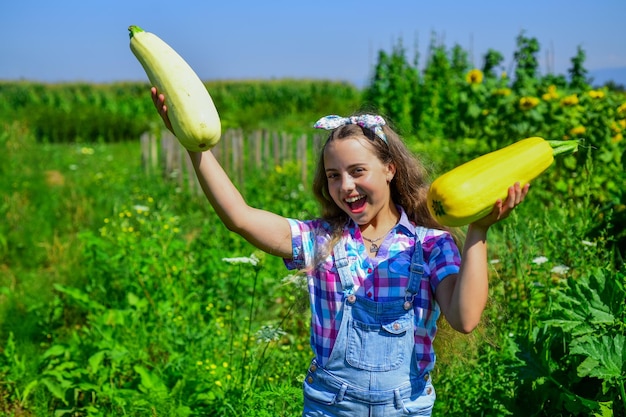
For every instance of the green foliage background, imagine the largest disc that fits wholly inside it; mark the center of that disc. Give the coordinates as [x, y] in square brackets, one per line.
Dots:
[121, 294]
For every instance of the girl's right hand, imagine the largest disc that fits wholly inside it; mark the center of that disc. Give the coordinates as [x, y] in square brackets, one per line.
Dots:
[159, 103]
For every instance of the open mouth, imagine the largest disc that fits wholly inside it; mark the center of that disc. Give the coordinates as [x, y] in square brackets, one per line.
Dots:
[356, 203]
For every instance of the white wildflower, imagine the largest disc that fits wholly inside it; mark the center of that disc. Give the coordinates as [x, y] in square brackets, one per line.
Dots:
[588, 243]
[269, 333]
[252, 260]
[140, 208]
[299, 281]
[560, 269]
[494, 261]
[540, 260]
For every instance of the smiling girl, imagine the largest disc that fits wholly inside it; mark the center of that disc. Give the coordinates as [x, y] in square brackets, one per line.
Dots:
[380, 269]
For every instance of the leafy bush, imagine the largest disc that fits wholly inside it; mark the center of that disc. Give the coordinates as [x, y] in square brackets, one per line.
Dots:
[574, 359]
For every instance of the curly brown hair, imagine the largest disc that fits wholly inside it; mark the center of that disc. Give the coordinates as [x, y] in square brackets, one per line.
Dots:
[408, 187]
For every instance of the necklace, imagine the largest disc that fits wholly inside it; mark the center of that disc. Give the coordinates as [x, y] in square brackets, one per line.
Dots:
[374, 247]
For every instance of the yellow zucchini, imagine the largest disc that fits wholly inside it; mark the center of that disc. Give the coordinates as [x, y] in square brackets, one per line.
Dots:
[469, 192]
[191, 110]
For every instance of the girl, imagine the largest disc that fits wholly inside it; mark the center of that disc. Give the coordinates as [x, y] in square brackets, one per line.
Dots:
[379, 267]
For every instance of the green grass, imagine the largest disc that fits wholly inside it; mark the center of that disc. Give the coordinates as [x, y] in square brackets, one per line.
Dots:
[115, 299]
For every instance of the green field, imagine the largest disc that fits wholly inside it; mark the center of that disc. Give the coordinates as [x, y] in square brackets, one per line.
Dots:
[121, 293]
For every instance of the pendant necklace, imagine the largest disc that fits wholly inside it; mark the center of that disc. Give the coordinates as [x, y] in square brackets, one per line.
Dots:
[374, 247]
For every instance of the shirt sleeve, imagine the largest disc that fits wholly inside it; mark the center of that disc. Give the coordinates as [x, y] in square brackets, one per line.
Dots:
[306, 236]
[444, 258]
[297, 260]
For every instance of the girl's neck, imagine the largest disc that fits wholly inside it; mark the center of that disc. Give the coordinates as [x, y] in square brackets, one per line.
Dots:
[384, 221]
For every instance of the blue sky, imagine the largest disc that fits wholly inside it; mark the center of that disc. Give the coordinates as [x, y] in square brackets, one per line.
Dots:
[87, 40]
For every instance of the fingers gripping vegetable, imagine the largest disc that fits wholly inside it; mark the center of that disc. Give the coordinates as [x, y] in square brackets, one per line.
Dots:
[194, 118]
[468, 192]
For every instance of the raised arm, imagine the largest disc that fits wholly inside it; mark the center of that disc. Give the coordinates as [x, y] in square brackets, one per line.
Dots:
[265, 230]
[463, 297]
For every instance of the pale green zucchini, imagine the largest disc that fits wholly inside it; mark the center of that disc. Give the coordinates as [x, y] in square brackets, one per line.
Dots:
[191, 110]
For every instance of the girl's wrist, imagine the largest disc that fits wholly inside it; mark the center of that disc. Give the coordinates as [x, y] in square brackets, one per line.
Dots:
[478, 231]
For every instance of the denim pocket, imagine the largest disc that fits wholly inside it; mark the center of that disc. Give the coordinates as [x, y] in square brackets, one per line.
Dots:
[318, 392]
[421, 405]
[379, 347]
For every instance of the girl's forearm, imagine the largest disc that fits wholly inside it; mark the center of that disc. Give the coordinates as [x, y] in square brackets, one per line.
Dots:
[472, 286]
[218, 188]
[265, 230]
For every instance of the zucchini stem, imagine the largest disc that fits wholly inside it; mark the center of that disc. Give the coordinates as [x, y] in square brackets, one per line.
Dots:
[132, 30]
[563, 147]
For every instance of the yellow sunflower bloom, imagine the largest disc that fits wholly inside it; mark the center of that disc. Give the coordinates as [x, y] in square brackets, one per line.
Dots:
[502, 92]
[475, 76]
[527, 103]
[578, 130]
[596, 94]
[551, 94]
[570, 100]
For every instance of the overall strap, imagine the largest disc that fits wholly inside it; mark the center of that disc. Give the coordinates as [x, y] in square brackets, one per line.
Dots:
[343, 267]
[416, 270]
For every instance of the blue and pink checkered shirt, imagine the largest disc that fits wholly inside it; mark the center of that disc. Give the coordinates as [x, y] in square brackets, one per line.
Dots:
[380, 279]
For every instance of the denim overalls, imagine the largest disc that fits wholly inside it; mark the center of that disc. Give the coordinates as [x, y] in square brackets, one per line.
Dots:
[372, 369]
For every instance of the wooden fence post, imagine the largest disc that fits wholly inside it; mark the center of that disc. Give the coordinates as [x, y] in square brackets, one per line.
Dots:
[237, 154]
[301, 157]
[257, 137]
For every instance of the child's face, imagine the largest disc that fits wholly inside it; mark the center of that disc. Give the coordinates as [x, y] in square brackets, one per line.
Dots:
[358, 181]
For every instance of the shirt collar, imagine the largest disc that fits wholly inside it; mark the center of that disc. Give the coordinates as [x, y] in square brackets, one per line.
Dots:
[404, 223]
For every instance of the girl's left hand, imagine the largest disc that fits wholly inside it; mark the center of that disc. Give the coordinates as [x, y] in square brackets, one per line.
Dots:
[502, 209]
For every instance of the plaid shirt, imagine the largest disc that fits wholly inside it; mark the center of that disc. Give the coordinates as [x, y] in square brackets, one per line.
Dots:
[384, 278]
